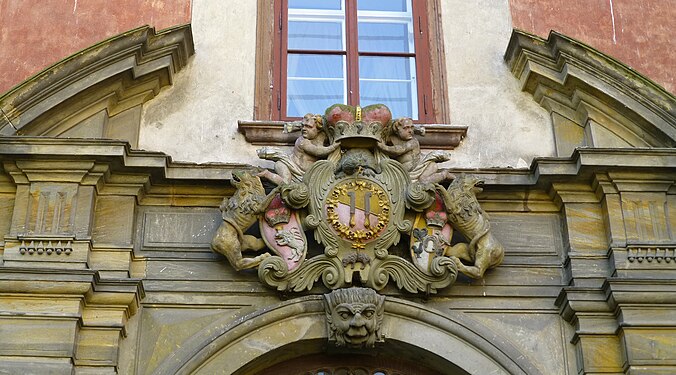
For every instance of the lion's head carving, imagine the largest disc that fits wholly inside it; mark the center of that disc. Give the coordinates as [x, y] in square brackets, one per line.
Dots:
[249, 193]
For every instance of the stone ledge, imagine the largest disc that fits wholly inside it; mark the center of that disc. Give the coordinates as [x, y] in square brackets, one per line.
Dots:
[269, 133]
[544, 171]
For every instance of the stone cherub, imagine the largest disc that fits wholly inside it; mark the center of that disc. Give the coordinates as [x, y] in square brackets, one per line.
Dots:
[309, 147]
[405, 148]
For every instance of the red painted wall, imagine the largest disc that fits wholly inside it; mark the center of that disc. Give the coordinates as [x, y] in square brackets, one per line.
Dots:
[37, 33]
[640, 33]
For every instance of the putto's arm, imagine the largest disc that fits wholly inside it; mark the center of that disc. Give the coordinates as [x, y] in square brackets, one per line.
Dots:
[318, 151]
[400, 149]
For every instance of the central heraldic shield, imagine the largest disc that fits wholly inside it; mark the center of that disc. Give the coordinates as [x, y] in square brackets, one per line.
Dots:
[358, 210]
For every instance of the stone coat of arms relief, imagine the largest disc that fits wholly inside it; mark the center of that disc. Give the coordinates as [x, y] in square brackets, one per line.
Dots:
[356, 181]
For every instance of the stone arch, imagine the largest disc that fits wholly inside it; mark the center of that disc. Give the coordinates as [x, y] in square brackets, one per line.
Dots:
[295, 328]
[594, 100]
[98, 92]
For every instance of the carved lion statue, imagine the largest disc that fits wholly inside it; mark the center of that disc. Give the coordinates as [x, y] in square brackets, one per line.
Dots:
[483, 251]
[239, 213]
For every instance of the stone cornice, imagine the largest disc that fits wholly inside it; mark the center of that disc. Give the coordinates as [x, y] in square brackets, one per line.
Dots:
[141, 61]
[117, 153]
[574, 79]
[120, 298]
[583, 164]
[633, 291]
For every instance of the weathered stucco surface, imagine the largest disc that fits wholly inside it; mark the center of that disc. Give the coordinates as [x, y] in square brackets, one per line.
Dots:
[506, 127]
[202, 108]
[196, 119]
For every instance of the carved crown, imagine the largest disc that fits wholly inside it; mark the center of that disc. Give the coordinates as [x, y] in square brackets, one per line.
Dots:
[435, 215]
[357, 126]
[277, 212]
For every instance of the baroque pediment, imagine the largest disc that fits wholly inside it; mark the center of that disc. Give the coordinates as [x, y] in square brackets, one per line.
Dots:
[98, 92]
[594, 100]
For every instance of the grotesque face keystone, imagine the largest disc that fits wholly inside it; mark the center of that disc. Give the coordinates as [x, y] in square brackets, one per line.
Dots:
[354, 317]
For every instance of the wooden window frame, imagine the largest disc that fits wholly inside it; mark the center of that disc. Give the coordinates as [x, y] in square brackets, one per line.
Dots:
[430, 63]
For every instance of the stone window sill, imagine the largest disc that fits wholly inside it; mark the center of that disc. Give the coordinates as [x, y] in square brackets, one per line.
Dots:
[269, 133]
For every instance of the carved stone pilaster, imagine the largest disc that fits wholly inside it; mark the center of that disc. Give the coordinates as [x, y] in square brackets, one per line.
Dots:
[53, 214]
[621, 241]
[64, 318]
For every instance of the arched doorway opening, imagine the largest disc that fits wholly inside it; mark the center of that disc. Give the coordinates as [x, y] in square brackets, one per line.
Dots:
[295, 331]
[390, 358]
[354, 364]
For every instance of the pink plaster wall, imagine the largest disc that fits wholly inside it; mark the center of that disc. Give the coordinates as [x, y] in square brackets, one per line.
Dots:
[37, 33]
[640, 33]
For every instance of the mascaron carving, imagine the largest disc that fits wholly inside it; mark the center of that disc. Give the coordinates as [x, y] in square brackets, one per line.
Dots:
[356, 181]
[354, 317]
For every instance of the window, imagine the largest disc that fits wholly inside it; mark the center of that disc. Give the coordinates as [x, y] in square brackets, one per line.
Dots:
[353, 52]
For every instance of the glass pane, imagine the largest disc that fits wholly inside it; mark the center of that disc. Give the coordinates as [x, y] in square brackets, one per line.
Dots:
[315, 66]
[390, 5]
[385, 37]
[315, 4]
[398, 96]
[390, 81]
[385, 67]
[312, 96]
[314, 83]
[315, 35]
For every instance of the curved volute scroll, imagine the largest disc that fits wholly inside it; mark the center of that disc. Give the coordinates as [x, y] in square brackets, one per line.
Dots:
[358, 183]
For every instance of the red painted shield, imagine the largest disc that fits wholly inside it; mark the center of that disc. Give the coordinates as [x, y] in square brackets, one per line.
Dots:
[283, 234]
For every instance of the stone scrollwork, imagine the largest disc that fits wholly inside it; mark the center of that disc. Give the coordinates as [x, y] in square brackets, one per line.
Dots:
[442, 273]
[274, 271]
[361, 184]
[354, 317]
